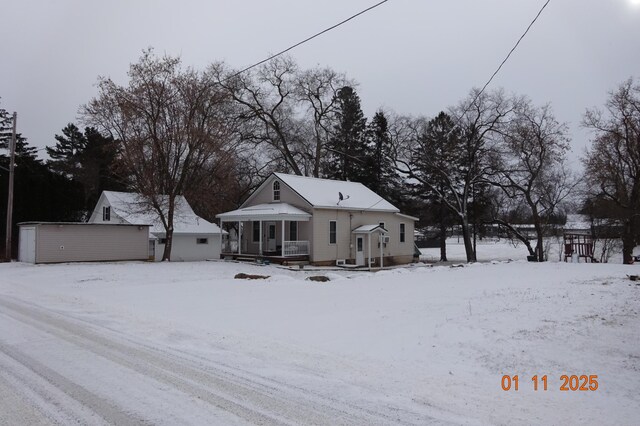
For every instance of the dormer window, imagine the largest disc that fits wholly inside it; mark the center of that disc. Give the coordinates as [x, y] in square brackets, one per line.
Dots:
[276, 191]
[106, 213]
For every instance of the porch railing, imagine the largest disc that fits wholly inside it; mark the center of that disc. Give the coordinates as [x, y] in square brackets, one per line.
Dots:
[295, 248]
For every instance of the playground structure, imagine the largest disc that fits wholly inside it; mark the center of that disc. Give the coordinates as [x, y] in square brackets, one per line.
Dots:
[578, 246]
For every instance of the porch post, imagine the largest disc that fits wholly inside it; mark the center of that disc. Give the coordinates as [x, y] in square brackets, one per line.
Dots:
[369, 254]
[282, 244]
[239, 237]
[260, 239]
[221, 239]
[381, 248]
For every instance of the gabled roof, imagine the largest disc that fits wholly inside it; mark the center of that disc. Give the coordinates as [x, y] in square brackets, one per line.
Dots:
[324, 193]
[369, 229]
[132, 208]
[271, 211]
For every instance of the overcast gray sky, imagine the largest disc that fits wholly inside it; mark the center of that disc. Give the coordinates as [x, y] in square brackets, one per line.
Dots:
[413, 57]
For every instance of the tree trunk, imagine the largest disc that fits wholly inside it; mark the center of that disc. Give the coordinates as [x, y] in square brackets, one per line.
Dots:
[468, 243]
[539, 242]
[166, 255]
[628, 242]
[443, 234]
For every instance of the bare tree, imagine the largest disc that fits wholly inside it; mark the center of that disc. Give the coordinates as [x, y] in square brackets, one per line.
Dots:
[528, 165]
[316, 91]
[613, 162]
[465, 165]
[171, 125]
[284, 112]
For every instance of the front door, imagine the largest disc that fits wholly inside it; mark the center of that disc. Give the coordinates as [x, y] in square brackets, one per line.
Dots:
[271, 236]
[360, 251]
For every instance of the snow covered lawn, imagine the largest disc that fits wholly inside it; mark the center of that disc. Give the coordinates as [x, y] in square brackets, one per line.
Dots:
[429, 343]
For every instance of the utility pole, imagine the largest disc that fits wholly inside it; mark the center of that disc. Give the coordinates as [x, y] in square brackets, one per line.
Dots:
[12, 155]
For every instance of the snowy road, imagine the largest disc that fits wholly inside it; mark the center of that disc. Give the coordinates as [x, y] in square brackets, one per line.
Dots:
[61, 370]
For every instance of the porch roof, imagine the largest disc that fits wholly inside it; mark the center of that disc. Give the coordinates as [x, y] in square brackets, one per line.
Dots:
[369, 229]
[263, 212]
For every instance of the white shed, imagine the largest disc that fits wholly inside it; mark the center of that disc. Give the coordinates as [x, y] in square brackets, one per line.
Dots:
[57, 242]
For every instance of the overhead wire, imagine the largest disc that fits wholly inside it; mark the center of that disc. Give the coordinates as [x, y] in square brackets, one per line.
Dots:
[308, 39]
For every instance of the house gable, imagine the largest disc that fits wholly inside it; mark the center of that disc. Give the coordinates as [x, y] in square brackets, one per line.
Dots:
[264, 195]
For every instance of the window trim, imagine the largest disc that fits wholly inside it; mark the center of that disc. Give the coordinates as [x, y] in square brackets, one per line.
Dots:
[276, 190]
[403, 232]
[106, 213]
[335, 232]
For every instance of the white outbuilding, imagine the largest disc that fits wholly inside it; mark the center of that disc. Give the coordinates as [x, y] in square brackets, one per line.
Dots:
[194, 238]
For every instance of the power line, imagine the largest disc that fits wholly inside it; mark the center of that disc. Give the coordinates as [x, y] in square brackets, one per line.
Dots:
[308, 39]
[507, 57]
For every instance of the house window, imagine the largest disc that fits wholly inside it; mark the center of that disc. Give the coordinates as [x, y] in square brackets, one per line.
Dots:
[382, 225]
[332, 231]
[162, 241]
[293, 231]
[402, 232]
[106, 213]
[256, 232]
[202, 241]
[276, 191]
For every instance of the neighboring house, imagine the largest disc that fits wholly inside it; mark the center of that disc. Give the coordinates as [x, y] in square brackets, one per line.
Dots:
[323, 221]
[193, 237]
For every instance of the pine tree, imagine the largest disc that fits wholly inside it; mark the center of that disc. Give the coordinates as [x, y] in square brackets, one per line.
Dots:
[379, 171]
[346, 150]
[65, 155]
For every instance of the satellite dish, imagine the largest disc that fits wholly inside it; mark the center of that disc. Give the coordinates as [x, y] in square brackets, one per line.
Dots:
[341, 197]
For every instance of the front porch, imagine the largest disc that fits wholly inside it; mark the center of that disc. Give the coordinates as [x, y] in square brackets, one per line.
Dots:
[278, 232]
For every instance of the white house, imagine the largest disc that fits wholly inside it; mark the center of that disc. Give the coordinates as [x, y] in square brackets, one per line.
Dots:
[193, 237]
[322, 221]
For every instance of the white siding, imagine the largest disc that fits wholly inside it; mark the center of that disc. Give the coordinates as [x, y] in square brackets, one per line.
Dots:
[345, 244]
[185, 247]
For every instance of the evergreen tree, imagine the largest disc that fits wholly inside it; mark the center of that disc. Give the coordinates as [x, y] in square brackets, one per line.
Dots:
[437, 160]
[379, 170]
[39, 193]
[65, 155]
[87, 158]
[346, 150]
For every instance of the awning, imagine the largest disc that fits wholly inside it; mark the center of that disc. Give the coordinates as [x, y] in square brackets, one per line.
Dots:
[265, 212]
[369, 229]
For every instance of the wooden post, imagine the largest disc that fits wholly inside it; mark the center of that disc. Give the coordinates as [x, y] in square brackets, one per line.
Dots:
[282, 243]
[239, 237]
[260, 239]
[381, 250]
[369, 253]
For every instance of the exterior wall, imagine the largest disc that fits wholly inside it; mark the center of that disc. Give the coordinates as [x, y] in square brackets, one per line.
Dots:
[185, 247]
[86, 243]
[96, 215]
[325, 253]
[264, 195]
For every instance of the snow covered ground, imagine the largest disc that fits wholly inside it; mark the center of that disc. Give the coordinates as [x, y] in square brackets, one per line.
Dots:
[186, 343]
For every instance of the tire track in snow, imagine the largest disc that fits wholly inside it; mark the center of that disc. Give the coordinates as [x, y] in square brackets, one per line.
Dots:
[106, 410]
[248, 399]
